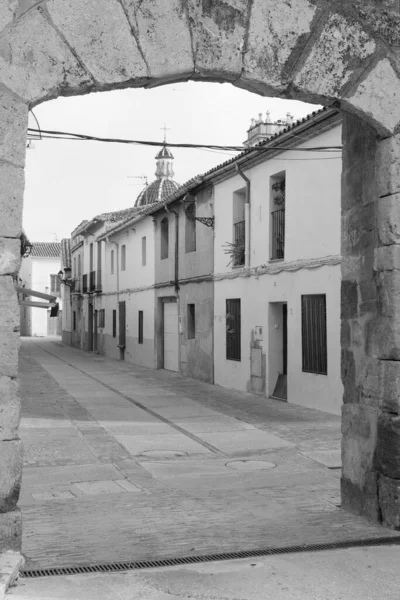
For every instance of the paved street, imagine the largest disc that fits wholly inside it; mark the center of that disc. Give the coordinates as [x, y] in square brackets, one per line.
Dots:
[124, 463]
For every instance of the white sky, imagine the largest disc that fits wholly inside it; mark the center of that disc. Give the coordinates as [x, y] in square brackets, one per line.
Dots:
[68, 181]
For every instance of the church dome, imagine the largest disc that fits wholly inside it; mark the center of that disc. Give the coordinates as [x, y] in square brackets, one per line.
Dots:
[156, 191]
[164, 185]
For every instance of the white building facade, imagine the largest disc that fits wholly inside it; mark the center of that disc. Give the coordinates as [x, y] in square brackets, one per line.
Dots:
[39, 272]
[277, 304]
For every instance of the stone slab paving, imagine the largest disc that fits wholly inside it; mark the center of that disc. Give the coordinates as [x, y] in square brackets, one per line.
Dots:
[114, 471]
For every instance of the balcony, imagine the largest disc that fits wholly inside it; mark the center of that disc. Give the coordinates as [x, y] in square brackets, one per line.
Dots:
[92, 283]
[99, 286]
[278, 234]
[239, 241]
[85, 284]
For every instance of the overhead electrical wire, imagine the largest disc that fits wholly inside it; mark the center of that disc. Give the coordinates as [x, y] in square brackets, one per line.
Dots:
[49, 134]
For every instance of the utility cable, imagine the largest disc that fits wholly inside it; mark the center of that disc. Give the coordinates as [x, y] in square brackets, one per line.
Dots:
[77, 136]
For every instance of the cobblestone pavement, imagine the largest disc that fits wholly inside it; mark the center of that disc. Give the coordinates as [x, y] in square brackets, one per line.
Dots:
[126, 463]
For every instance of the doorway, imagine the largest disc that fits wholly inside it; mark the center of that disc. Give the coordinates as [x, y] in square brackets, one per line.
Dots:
[278, 350]
[171, 336]
[122, 329]
[95, 331]
[90, 328]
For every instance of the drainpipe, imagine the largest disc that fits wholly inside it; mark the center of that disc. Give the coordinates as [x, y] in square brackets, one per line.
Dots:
[246, 218]
[176, 275]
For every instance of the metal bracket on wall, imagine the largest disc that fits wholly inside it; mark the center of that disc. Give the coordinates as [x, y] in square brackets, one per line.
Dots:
[207, 221]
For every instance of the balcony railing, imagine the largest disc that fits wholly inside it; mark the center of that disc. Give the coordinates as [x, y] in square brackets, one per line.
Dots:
[92, 286]
[278, 234]
[239, 239]
[98, 282]
[85, 284]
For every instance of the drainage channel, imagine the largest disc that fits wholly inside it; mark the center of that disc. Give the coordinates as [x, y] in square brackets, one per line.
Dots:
[187, 560]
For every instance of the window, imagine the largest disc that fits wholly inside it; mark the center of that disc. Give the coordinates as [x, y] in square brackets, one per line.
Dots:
[140, 327]
[54, 285]
[143, 251]
[190, 228]
[191, 321]
[123, 257]
[74, 272]
[164, 238]
[91, 258]
[238, 213]
[102, 317]
[74, 320]
[112, 262]
[233, 333]
[313, 330]
[277, 207]
[79, 266]
[99, 256]
[114, 323]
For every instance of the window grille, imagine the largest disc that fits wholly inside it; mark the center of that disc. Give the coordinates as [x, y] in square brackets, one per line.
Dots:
[314, 337]
[233, 329]
[239, 236]
[140, 327]
[102, 317]
[278, 234]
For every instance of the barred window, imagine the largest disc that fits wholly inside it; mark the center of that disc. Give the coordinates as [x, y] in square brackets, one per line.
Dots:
[233, 329]
[114, 323]
[191, 321]
[314, 338]
[164, 238]
[102, 317]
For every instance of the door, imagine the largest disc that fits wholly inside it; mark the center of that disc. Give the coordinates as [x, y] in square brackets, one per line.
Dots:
[90, 328]
[122, 329]
[95, 331]
[284, 340]
[171, 336]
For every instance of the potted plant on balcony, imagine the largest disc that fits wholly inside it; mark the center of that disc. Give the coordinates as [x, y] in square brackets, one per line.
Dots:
[278, 192]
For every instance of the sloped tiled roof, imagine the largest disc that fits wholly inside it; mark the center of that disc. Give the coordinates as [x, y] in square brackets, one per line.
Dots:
[66, 253]
[46, 249]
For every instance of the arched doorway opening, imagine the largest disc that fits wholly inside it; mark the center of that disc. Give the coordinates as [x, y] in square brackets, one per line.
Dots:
[308, 51]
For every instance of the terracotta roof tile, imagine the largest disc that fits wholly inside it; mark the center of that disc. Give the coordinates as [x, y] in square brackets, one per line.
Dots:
[46, 249]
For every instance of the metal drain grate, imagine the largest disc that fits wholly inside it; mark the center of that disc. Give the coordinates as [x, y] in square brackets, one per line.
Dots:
[171, 562]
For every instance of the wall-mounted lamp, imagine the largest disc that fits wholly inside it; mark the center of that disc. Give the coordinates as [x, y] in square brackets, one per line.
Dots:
[65, 277]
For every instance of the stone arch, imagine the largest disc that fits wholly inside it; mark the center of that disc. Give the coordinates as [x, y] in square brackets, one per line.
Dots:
[327, 52]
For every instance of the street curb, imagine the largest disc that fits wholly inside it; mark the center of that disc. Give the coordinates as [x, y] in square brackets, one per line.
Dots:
[10, 565]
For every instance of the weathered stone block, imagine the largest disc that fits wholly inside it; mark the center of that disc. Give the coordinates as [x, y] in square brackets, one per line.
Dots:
[8, 9]
[11, 200]
[376, 98]
[10, 474]
[358, 230]
[35, 63]
[335, 58]
[10, 408]
[389, 500]
[359, 431]
[218, 32]
[9, 328]
[10, 531]
[388, 220]
[387, 258]
[10, 256]
[388, 293]
[348, 376]
[101, 35]
[367, 380]
[349, 299]
[389, 386]
[361, 501]
[359, 160]
[159, 26]
[388, 161]
[382, 338]
[388, 447]
[278, 32]
[13, 124]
